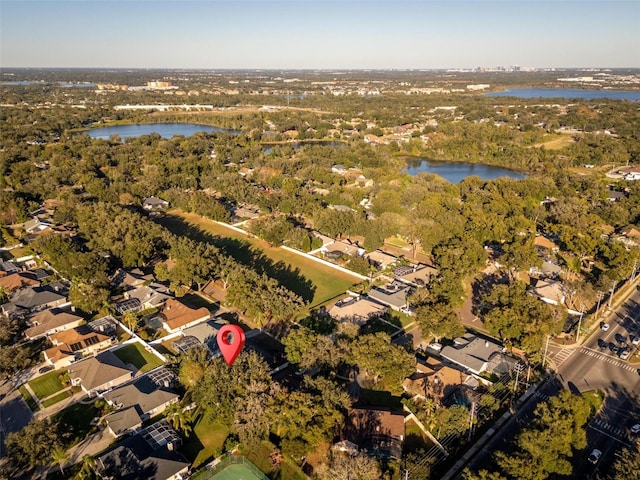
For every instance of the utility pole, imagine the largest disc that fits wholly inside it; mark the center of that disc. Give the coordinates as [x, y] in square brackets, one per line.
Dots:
[546, 347]
[519, 367]
[600, 297]
[474, 406]
[633, 273]
[613, 287]
[580, 322]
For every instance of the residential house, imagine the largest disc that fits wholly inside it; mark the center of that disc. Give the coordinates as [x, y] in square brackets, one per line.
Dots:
[9, 266]
[358, 310]
[176, 316]
[630, 236]
[36, 225]
[136, 402]
[416, 275]
[544, 243]
[71, 345]
[339, 169]
[130, 279]
[344, 247]
[548, 269]
[380, 259]
[154, 204]
[549, 291]
[615, 195]
[99, 374]
[33, 299]
[471, 352]
[143, 298]
[17, 281]
[435, 380]
[151, 454]
[49, 322]
[393, 295]
[379, 432]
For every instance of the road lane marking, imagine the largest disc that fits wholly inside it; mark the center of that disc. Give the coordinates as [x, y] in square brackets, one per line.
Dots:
[607, 358]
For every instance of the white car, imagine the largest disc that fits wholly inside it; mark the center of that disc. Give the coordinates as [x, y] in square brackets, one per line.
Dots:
[635, 429]
[594, 456]
[624, 353]
[435, 346]
[635, 340]
[604, 326]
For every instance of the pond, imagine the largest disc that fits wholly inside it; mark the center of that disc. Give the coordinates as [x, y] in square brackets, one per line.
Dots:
[165, 130]
[455, 172]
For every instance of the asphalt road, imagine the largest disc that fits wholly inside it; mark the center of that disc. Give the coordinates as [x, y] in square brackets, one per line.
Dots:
[595, 366]
[592, 366]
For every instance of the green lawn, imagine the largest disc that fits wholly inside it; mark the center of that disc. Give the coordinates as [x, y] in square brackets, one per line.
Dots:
[135, 354]
[76, 419]
[206, 441]
[313, 281]
[55, 399]
[259, 456]
[26, 396]
[47, 384]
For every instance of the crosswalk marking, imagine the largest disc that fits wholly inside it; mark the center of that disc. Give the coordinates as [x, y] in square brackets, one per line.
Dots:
[607, 358]
[562, 355]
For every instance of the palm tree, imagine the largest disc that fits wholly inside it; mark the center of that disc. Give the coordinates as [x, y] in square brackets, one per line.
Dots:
[4, 293]
[59, 456]
[179, 418]
[86, 472]
[130, 318]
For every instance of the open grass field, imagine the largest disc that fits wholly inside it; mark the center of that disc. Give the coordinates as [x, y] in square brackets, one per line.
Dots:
[135, 354]
[313, 281]
[237, 472]
[205, 442]
[46, 385]
[556, 141]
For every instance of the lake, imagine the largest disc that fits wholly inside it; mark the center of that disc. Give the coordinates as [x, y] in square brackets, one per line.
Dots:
[455, 172]
[568, 93]
[165, 130]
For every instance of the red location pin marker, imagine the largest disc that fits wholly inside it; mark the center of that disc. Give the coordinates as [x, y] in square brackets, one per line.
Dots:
[230, 340]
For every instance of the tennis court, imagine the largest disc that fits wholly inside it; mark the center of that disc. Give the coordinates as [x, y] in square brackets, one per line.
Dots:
[232, 467]
[237, 472]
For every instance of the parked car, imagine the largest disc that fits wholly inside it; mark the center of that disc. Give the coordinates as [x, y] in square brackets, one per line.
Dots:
[46, 368]
[604, 326]
[635, 429]
[595, 456]
[635, 340]
[602, 343]
[624, 353]
[435, 346]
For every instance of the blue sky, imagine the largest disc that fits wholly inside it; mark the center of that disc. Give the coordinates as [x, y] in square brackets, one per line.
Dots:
[323, 34]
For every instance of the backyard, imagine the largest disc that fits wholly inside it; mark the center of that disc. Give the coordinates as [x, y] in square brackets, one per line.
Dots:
[135, 354]
[206, 441]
